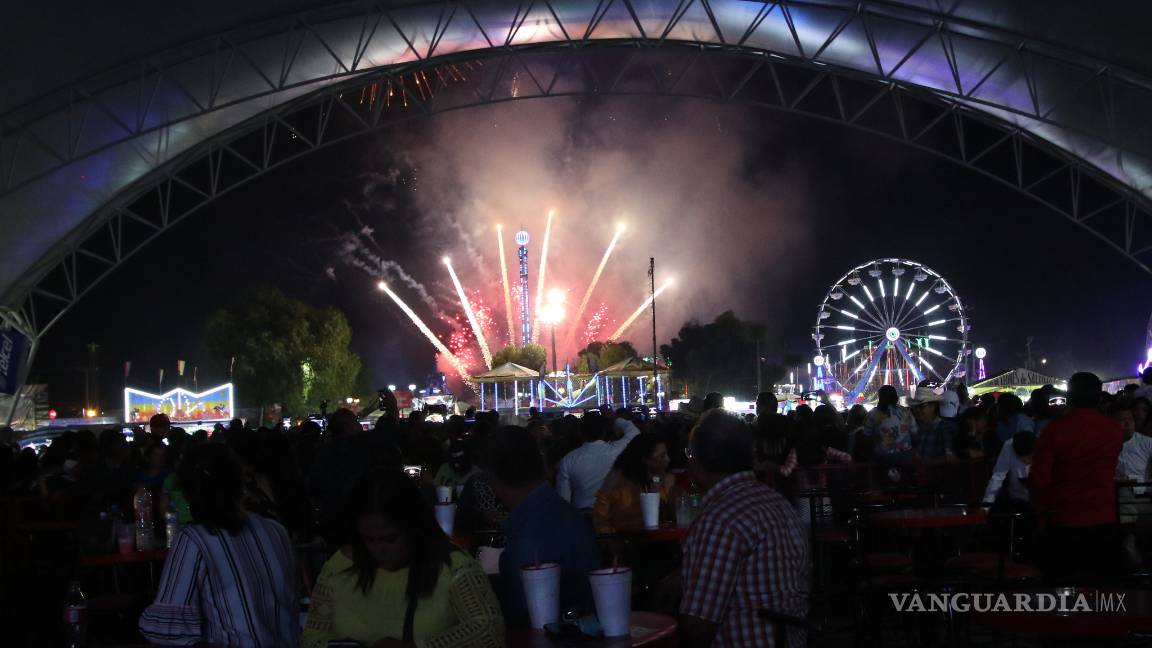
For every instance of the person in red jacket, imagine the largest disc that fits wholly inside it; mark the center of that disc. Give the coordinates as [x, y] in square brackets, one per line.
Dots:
[1073, 487]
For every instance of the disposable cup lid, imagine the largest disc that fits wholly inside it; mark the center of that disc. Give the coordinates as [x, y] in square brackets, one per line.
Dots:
[541, 567]
[608, 571]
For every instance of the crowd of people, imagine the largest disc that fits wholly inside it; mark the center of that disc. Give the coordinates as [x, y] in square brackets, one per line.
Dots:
[543, 489]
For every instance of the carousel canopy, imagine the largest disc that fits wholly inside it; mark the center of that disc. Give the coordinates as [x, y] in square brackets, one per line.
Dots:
[633, 367]
[507, 372]
[1014, 380]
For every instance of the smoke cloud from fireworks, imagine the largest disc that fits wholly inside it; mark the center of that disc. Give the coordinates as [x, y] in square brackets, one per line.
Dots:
[689, 177]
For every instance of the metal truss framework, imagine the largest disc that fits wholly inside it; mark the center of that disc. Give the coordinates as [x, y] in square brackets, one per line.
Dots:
[142, 145]
[1008, 155]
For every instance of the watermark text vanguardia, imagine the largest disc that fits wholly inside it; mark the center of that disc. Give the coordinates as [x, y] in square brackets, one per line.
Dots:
[1064, 602]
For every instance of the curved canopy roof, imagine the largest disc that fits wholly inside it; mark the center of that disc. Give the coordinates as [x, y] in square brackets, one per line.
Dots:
[1080, 84]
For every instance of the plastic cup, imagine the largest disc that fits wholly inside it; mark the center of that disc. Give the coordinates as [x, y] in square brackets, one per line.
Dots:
[683, 512]
[446, 516]
[650, 507]
[443, 494]
[489, 559]
[126, 539]
[542, 592]
[612, 592]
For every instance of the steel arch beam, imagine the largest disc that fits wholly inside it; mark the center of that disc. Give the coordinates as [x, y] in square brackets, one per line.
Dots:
[922, 120]
[71, 153]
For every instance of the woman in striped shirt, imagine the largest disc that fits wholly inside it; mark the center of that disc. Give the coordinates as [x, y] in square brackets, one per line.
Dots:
[230, 576]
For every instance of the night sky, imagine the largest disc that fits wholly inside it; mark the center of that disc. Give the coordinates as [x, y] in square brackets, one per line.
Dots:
[835, 197]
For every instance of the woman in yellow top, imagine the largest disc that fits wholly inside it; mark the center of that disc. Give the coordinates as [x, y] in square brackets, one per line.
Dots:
[642, 466]
[401, 582]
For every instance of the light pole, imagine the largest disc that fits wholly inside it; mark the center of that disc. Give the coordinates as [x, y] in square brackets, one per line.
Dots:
[552, 312]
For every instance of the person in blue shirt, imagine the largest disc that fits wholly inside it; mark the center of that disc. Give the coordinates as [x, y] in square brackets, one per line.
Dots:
[541, 527]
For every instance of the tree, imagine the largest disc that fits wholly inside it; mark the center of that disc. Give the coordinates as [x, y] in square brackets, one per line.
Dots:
[605, 353]
[285, 351]
[532, 356]
[720, 356]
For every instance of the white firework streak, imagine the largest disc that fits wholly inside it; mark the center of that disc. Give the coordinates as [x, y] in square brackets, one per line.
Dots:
[427, 332]
[470, 314]
[540, 279]
[504, 285]
[596, 276]
[632, 318]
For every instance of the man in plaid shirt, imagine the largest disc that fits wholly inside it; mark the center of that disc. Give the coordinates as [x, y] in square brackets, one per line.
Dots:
[746, 553]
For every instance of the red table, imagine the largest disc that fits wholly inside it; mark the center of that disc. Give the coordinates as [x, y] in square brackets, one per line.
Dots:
[666, 533]
[648, 629]
[110, 559]
[1135, 619]
[932, 518]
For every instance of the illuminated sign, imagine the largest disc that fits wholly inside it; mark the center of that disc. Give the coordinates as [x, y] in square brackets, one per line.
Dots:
[181, 405]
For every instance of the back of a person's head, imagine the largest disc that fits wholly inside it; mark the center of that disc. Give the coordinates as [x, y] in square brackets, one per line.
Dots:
[513, 456]
[1023, 443]
[213, 482]
[767, 402]
[826, 417]
[1085, 390]
[887, 397]
[713, 400]
[722, 443]
[343, 422]
[159, 423]
[856, 416]
[1146, 376]
[1009, 405]
[593, 426]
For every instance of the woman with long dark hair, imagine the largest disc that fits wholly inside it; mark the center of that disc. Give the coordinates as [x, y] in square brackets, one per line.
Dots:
[400, 581]
[641, 467]
[229, 579]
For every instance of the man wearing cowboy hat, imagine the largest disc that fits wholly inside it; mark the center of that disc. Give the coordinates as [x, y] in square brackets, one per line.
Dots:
[935, 434]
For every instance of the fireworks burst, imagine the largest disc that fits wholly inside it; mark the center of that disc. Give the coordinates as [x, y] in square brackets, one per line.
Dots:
[596, 326]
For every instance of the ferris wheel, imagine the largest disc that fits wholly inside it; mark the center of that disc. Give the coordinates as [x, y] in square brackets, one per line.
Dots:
[889, 322]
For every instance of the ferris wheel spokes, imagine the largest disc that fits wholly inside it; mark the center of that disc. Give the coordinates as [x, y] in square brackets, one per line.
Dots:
[896, 322]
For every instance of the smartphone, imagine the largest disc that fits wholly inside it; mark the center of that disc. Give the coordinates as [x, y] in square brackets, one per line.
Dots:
[413, 471]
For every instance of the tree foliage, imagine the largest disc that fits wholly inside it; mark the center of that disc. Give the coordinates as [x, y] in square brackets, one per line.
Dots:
[532, 356]
[285, 351]
[716, 357]
[605, 354]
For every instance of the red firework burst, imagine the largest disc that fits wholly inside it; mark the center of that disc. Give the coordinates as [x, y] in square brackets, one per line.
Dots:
[597, 325]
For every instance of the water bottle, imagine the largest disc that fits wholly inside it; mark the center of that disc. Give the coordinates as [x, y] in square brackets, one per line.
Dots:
[171, 526]
[145, 533]
[75, 617]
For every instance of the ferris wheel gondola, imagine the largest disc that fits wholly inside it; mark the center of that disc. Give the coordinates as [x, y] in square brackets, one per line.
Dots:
[889, 321]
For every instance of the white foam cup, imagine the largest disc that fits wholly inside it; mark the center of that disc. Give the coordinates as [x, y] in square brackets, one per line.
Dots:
[650, 507]
[612, 592]
[446, 516]
[489, 558]
[443, 494]
[542, 592]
